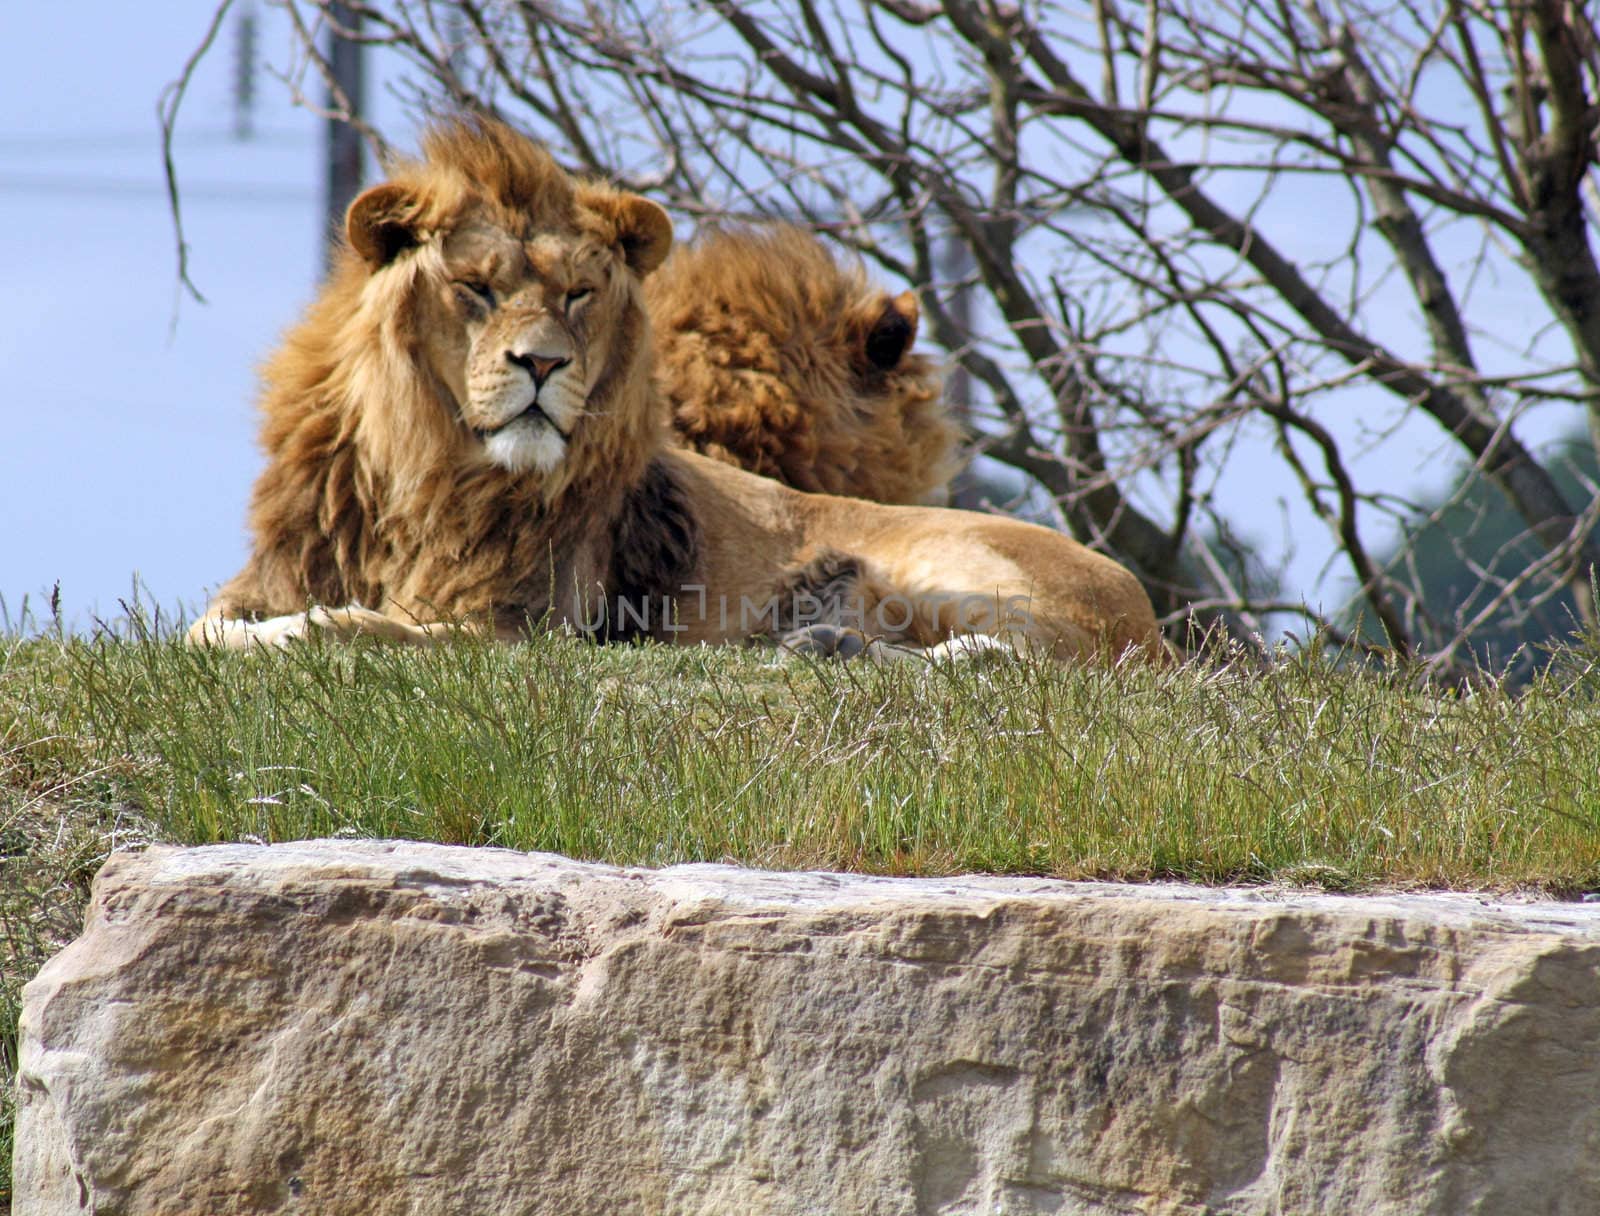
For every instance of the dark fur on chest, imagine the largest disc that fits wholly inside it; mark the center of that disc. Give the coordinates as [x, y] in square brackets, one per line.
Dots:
[655, 553]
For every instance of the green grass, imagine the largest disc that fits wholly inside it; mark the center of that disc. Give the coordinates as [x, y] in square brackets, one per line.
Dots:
[655, 755]
[1301, 772]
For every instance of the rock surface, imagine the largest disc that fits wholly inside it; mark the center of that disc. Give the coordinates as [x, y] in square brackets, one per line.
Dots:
[377, 1028]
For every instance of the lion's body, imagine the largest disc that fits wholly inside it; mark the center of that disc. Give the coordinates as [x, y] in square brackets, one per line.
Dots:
[913, 575]
[774, 357]
[463, 429]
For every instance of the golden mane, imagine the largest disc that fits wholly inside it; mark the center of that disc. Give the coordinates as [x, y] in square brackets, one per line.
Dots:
[775, 357]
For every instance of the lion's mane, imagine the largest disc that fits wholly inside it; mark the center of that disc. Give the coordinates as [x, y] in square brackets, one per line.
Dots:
[775, 357]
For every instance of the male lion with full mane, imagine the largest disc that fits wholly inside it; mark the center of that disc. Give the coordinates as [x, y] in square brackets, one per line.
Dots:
[463, 432]
[774, 357]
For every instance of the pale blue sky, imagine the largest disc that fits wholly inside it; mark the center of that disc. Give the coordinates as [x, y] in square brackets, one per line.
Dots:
[129, 442]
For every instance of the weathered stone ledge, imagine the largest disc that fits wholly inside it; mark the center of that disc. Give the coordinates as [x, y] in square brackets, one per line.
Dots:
[360, 1027]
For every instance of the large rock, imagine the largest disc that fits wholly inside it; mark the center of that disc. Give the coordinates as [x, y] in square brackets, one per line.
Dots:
[397, 1028]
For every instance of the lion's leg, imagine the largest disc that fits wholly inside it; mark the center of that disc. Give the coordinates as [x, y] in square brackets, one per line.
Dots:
[843, 642]
[347, 624]
[963, 648]
[1030, 590]
[341, 624]
[233, 633]
[837, 605]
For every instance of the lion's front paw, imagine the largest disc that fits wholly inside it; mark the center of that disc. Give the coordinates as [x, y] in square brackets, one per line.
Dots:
[340, 624]
[282, 631]
[825, 642]
[965, 648]
[353, 621]
[970, 647]
[236, 634]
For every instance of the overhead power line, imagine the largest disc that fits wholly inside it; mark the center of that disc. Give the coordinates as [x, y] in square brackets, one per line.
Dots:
[274, 194]
[74, 143]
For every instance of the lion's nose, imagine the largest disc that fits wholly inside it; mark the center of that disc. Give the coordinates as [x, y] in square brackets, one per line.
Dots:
[540, 367]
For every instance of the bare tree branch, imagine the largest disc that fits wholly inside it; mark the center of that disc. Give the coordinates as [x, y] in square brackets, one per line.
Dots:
[167, 108]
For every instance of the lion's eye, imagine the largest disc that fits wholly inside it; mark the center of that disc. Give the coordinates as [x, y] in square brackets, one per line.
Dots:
[476, 290]
[577, 295]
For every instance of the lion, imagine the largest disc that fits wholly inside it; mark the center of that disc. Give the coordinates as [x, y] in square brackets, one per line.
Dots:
[774, 357]
[463, 433]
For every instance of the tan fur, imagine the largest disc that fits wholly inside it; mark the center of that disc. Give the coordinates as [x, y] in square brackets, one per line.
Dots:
[774, 357]
[487, 294]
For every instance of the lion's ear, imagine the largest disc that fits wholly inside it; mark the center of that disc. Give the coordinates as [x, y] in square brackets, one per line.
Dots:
[892, 332]
[641, 229]
[381, 224]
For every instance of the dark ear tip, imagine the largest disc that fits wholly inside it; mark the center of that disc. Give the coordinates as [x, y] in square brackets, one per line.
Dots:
[890, 337]
[385, 242]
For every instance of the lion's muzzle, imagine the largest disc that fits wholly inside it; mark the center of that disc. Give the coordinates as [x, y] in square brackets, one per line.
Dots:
[540, 367]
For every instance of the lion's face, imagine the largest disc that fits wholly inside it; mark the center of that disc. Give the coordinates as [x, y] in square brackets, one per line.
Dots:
[527, 315]
[519, 330]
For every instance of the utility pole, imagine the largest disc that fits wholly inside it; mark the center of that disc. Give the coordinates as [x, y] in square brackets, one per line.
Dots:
[244, 74]
[344, 147]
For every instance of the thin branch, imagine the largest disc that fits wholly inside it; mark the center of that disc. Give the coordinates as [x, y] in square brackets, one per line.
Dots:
[167, 108]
